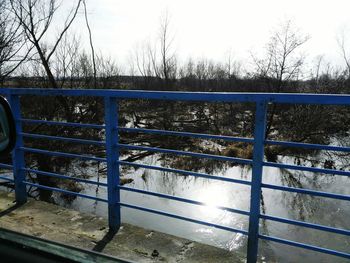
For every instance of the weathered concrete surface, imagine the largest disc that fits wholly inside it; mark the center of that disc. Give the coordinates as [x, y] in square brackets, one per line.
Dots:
[67, 226]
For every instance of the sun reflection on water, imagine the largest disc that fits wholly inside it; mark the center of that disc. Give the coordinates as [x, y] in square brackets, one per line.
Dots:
[212, 197]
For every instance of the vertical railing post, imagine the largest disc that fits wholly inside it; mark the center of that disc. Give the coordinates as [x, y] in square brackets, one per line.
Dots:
[18, 154]
[257, 169]
[112, 152]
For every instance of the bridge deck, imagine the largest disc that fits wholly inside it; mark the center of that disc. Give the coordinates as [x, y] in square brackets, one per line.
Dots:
[73, 228]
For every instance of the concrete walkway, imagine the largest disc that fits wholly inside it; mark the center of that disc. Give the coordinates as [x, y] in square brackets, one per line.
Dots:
[70, 227]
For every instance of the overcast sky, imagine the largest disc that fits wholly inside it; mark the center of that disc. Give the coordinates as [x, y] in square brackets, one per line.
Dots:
[212, 28]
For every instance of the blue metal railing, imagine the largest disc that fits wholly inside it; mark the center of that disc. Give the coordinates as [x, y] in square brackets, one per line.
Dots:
[113, 147]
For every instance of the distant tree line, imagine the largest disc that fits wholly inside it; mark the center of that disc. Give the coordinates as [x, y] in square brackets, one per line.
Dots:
[28, 58]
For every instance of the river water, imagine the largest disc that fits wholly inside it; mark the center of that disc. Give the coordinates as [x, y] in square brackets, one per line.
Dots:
[213, 193]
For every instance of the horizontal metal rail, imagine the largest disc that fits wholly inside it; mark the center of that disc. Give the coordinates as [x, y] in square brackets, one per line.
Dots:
[6, 166]
[306, 191]
[187, 134]
[306, 224]
[62, 154]
[306, 169]
[196, 221]
[61, 123]
[183, 200]
[305, 246]
[6, 178]
[184, 172]
[309, 146]
[64, 177]
[66, 139]
[111, 100]
[289, 98]
[185, 153]
[65, 191]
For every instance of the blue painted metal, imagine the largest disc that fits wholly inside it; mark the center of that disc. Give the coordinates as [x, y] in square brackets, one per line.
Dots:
[183, 200]
[113, 147]
[309, 146]
[112, 151]
[184, 153]
[184, 172]
[64, 191]
[306, 191]
[192, 220]
[255, 194]
[18, 154]
[306, 169]
[62, 154]
[61, 123]
[7, 178]
[64, 177]
[65, 139]
[305, 224]
[284, 98]
[6, 166]
[188, 134]
[305, 246]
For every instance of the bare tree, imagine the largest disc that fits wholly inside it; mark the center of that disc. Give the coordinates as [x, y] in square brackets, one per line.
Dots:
[233, 67]
[35, 17]
[157, 58]
[315, 74]
[91, 44]
[12, 45]
[107, 67]
[282, 62]
[168, 63]
[144, 56]
[341, 39]
[65, 62]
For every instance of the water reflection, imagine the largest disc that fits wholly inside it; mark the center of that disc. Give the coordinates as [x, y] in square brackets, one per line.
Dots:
[217, 193]
[213, 196]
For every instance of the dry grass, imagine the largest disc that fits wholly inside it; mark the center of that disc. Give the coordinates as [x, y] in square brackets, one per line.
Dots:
[239, 150]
